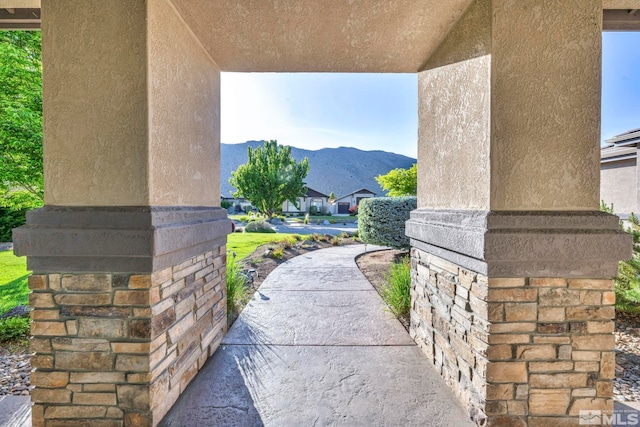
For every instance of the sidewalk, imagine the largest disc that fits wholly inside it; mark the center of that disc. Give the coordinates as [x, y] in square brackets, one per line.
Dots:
[315, 347]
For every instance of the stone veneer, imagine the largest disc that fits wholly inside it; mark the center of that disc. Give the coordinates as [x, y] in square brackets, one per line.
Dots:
[516, 351]
[118, 349]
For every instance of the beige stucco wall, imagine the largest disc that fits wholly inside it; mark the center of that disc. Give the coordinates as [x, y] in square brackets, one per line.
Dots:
[131, 107]
[454, 114]
[184, 114]
[618, 185]
[545, 104]
[509, 109]
[95, 103]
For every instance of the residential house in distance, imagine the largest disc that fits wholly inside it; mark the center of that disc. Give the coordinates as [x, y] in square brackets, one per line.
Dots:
[339, 206]
[311, 198]
[344, 203]
[619, 173]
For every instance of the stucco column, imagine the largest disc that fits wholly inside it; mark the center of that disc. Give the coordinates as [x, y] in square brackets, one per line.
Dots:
[512, 297]
[128, 254]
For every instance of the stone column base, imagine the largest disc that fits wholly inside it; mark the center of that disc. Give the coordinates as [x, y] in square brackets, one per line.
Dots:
[117, 344]
[518, 349]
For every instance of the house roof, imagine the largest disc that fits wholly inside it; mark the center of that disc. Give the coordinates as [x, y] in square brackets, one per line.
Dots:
[621, 147]
[362, 190]
[313, 193]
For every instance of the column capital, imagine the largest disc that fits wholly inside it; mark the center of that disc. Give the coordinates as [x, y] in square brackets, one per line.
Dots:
[132, 239]
[522, 243]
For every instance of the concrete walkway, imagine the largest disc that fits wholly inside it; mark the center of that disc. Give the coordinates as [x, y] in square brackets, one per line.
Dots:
[315, 347]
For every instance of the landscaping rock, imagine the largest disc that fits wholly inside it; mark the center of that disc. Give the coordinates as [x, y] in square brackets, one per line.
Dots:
[19, 311]
[15, 375]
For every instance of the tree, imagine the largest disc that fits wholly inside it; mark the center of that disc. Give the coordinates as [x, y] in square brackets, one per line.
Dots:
[270, 177]
[400, 182]
[332, 196]
[21, 173]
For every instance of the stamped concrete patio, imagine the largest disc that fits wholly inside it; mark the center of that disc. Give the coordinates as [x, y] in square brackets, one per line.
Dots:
[316, 347]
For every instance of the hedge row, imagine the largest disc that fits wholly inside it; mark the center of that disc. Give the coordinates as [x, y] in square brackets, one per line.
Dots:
[10, 219]
[381, 220]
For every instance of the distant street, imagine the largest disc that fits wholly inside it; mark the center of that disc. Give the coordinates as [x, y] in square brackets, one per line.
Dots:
[300, 228]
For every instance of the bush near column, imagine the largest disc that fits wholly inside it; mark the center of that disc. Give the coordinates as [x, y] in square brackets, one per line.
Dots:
[381, 220]
[10, 219]
[627, 283]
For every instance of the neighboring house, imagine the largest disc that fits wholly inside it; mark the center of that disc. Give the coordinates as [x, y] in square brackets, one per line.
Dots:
[311, 198]
[238, 203]
[619, 173]
[342, 204]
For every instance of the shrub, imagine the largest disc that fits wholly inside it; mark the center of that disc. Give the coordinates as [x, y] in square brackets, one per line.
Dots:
[244, 218]
[13, 328]
[396, 293]
[306, 219]
[335, 241]
[277, 253]
[10, 219]
[381, 220]
[313, 210]
[353, 210]
[237, 289]
[225, 204]
[627, 284]
[260, 226]
[288, 242]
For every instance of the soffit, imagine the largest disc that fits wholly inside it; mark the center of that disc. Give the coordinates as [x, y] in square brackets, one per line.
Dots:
[320, 36]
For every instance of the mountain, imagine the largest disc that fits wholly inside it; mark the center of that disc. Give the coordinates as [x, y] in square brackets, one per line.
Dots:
[341, 170]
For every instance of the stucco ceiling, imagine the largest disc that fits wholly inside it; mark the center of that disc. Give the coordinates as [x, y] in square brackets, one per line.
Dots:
[326, 35]
[320, 35]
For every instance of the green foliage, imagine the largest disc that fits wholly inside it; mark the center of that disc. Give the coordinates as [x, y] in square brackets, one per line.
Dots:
[270, 177]
[14, 328]
[313, 210]
[336, 241]
[396, 293]
[260, 226]
[628, 281]
[277, 253]
[606, 208]
[237, 287]
[381, 220]
[400, 182]
[225, 204]
[332, 196]
[288, 242]
[14, 288]
[306, 219]
[10, 219]
[21, 173]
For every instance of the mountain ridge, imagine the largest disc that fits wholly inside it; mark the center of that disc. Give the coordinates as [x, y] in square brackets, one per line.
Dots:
[341, 170]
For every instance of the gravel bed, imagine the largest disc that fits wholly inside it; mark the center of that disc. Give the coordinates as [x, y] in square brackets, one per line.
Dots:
[626, 386]
[15, 375]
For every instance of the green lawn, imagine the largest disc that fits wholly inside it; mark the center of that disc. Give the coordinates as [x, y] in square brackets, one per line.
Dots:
[14, 289]
[243, 244]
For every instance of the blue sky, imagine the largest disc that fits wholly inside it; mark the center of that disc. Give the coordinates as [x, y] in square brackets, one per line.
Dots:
[379, 111]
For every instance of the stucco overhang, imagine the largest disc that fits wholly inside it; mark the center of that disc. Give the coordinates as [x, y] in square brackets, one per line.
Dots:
[321, 36]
